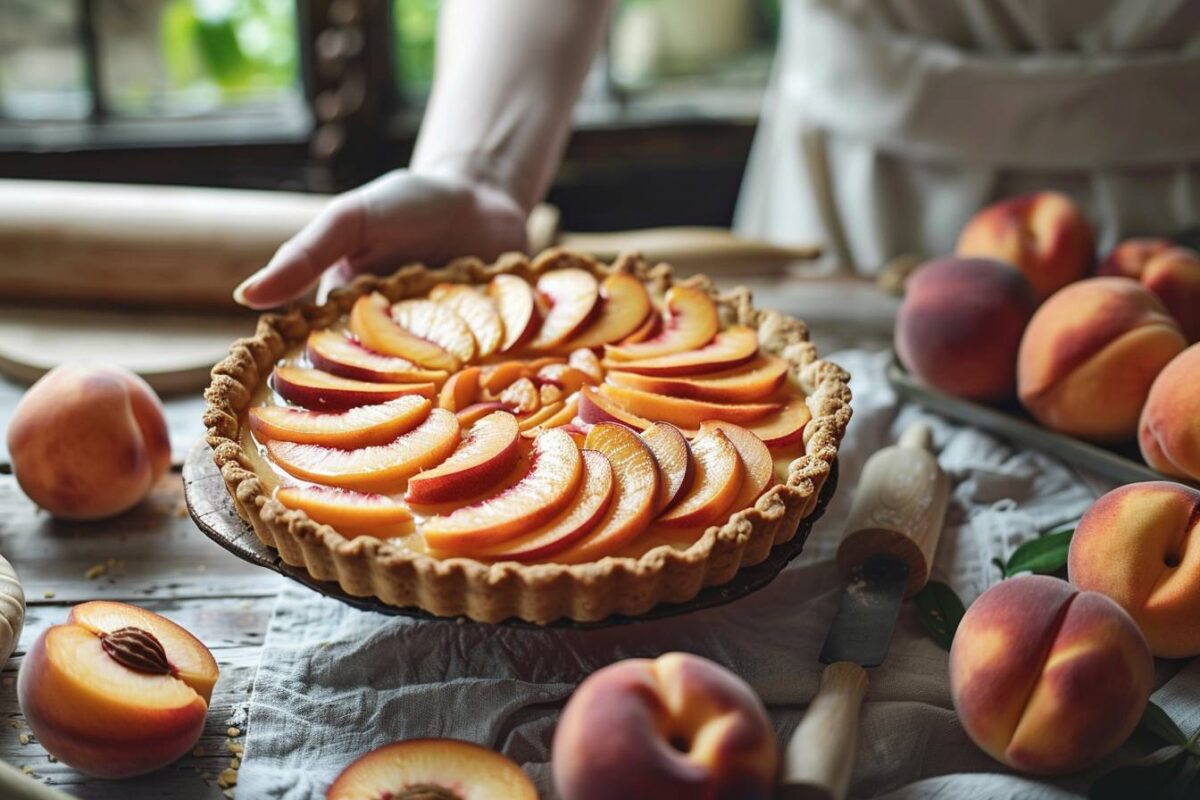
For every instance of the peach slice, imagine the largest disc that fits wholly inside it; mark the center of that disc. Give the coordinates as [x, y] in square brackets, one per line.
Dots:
[573, 296]
[352, 513]
[595, 407]
[371, 321]
[340, 355]
[319, 390]
[486, 454]
[586, 362]
[719, 475]
[581, 516]
[439, 324]
[553, 478]
[517, 307]
[522, 396]
[355, 427]
[647, 330]
[461, 390]
[730, 348]
[756, 458]
[379, 468]
[682, 412]
[567, 378]
[498, 377]
[691, 322]
[432, 769]
[549, 393]
[757, 380]
[566, 411]
[624, 306]
[477, 310]
[116, 690]
[632, 508]
[477, 411]
[784, 427]
[527, 422]
[674, 459]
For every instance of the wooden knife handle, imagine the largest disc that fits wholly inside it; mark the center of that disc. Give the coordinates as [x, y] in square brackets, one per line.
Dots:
[820, 756]
[15, 785]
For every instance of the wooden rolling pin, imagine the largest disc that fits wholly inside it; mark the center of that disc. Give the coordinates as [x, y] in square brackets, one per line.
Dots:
[886, 554]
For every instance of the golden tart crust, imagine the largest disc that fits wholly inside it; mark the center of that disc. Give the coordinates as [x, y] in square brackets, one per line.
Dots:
[538, 593]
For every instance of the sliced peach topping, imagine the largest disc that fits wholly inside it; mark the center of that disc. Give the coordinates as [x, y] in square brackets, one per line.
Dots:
[371, 321]
[498, 377]
[586, 362]
[477, 310]
[573, 296]
[567, 378]
[730, 348]
[637, 489]
[595, 407]
[477, 411]
[319, 390]
[532, 420]
[647, 330]
[719, 474]
[517, 308]
[355, 427]
[553, 479]
[566, 411]
[381, 468]
[691, 322]
[685, 413]
[461, 390]
[674, 459]
[340, 355]
[581, 516]
[624, 306]
[756, 380]
[351, 513]
[784, 427]
[756, 458]
[486, 454]
[438, 324]
[522, 396]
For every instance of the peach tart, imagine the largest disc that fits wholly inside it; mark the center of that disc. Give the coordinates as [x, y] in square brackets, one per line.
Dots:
[545, 439]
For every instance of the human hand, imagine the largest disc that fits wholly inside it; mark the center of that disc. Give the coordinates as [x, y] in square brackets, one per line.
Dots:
[400, 217]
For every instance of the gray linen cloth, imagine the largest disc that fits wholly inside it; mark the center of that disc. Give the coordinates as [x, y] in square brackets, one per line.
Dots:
[335, 682]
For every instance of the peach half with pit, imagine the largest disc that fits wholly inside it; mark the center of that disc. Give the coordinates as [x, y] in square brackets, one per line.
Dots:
[432, 769]
[116, 690]
[88, 442]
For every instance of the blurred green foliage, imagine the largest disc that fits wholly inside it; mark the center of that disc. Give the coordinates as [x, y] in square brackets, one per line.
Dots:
[416, 37]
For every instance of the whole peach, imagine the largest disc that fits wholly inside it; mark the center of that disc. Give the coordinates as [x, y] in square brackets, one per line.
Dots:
[1140, 545]
[1043, 234]
[960, 326]
[1089, 356]
[1048, 679]
[677, 726]
[1169, 430]
[88, 442]
[1129, 257]
[1174, 275]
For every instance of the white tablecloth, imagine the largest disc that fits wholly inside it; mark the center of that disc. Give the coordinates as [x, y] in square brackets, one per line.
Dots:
[335, 682]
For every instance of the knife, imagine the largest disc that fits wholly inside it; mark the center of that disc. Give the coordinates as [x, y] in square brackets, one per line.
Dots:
[886, 553]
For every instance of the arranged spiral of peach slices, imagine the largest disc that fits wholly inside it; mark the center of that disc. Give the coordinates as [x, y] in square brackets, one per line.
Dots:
[564, 421]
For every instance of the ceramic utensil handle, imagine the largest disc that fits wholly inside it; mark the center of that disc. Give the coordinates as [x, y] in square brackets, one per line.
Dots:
[899, 508]
[820, 755]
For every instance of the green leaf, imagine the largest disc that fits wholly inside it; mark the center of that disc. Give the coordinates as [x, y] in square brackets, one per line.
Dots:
[1155, 722]
[940, 611]
[1043, 555]
[1163, 773]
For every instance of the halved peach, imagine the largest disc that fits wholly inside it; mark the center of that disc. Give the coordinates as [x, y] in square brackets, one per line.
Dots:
[730, 348]
[116, 690]
[485, 455]
[632, 507]
[533, 419]
[355, 427]
[439, 324]
[432, 769]
[586, 362]
[595, 407]
[461, 390]
[371, 321]
[553, 478]
[756, 458]
[380, 468]
[585, 511]
[674, 459]
[785, 426]
[719, 474]
[680, 411]
[351, 513]
[624, 306]
[691, 322]
[573, 296]
[319, 390]
[517, 308]
[340, 355]
[477, 310]
[477, 411]
[756, 380]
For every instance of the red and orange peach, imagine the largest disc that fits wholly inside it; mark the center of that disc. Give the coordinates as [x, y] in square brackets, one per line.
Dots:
[1171, 272]
[1046, 678]
[1169, 429]
[1090, 354]
[88, 442]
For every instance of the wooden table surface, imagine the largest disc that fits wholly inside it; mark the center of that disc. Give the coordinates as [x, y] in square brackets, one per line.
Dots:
[155, 557]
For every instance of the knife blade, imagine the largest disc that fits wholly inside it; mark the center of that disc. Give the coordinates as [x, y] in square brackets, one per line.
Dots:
[861, 632]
